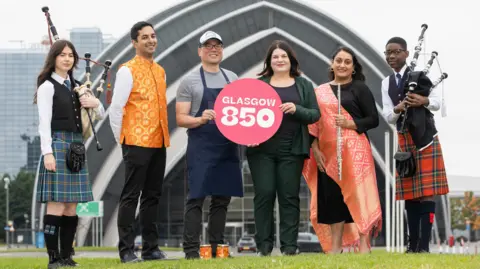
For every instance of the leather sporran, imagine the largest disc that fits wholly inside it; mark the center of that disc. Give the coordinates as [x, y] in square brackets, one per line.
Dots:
[405, 164]
[75, 156]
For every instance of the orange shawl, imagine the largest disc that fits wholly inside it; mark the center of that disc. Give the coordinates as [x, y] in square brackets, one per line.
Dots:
[358, 184]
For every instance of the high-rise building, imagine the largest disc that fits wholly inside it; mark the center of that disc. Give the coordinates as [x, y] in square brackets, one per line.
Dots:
[19, 69]
[86, 40]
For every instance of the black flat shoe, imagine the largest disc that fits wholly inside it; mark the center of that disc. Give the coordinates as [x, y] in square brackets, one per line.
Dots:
[154, 255]
[129, 257]
[193, 255]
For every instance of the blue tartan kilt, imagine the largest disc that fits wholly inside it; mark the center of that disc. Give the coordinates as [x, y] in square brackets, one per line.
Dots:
[63, 185]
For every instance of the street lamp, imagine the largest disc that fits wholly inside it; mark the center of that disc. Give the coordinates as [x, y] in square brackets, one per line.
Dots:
[6, 181]
[26, 229]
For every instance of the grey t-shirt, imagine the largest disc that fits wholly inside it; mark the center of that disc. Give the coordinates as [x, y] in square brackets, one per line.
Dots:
[191, 87]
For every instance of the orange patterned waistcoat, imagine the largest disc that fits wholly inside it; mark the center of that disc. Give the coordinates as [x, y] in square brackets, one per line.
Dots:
[145, 121]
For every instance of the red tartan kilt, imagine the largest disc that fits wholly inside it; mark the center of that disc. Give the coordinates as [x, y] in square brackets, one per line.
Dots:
[430, 177]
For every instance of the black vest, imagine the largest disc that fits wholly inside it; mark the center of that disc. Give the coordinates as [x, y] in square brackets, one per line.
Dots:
[65, 109]
[420, 121]
[397, 94]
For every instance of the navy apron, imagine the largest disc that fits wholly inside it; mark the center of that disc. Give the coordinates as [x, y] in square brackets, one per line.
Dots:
[213, 165]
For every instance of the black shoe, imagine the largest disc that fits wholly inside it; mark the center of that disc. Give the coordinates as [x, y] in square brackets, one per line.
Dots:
[423, 248]
[192, 255]
[155, 255]
[67, 260]
[263, 254]
[54, 260]
[129, 257]
[412, 246]
[289, 253]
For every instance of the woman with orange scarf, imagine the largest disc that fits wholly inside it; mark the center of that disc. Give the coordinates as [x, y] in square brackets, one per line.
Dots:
[344, 212]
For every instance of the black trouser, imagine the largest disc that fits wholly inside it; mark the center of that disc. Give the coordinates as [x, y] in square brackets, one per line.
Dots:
[144, 172]
[193, 223]
[275, 171]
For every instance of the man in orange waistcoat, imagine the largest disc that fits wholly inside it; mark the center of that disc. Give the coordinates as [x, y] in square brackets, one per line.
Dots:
[138, 118]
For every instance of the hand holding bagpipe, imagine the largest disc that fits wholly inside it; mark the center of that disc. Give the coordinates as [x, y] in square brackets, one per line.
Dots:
[88, 99]
[420, 97]
[418, 85]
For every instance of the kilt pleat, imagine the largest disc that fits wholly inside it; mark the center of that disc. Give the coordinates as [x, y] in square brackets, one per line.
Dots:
[430, 178]
[63, 185]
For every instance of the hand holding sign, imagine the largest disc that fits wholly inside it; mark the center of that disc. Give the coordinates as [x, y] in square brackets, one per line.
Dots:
[248, 111]
[207, 115]
[288, 108]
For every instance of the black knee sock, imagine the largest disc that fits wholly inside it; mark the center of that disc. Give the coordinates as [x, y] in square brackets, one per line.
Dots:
[426, 221]
[413, 218]
[51, 227]
[67, 235]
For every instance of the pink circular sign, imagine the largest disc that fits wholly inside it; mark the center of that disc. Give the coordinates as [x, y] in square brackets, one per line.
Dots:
[247, 111]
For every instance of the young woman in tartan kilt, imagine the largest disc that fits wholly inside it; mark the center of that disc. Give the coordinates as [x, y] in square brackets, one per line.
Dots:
[59, 126]
[430, 178]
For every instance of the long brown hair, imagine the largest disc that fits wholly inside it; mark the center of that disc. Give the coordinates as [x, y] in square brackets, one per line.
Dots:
[357, 67]
[49, 66]
[294, 65]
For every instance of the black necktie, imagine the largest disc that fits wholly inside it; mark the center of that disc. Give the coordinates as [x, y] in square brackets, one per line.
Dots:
[399, 80]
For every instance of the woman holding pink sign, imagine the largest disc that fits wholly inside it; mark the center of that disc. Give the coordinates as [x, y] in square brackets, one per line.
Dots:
[344, 212]
[276, 165]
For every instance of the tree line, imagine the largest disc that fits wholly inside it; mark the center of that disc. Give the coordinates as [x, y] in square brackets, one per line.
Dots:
[20, 200]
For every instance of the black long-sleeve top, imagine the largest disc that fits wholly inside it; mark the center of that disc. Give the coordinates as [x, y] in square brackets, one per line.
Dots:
[358, 101]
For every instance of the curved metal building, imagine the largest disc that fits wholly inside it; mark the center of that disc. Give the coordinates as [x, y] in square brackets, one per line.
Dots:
[247, 28]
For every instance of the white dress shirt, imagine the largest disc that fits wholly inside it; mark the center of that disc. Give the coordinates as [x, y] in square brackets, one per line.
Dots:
[435, 99]
[45, 103]
[121, 93]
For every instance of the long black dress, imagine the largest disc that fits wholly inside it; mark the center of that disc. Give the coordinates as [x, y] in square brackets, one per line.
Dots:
[359, 102]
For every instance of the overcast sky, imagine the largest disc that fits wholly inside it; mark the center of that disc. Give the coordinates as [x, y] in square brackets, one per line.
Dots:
[453, 32]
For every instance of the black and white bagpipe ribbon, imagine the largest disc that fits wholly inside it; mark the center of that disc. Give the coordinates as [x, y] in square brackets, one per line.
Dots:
[86, 113]
[418, 81]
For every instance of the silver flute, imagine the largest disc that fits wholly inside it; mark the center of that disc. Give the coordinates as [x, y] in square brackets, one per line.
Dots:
[339, 134]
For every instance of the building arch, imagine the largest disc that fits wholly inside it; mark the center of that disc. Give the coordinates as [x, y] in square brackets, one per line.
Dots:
[247, 27]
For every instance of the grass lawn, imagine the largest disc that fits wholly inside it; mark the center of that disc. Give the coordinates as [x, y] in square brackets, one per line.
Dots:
[378, 259]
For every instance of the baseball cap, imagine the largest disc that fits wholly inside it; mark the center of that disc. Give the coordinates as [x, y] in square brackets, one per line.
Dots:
[210, 35]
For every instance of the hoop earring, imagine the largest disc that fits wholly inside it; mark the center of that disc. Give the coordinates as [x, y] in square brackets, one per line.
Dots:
[353, 73]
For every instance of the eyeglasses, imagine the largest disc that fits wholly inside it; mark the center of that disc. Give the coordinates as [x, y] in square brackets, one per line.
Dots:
[210, 46]
[396, 52]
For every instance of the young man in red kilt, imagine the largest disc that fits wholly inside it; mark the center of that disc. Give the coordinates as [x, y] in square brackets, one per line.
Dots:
[430, 178]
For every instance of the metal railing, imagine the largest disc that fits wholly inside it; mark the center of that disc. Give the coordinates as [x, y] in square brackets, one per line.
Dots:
[394, 210]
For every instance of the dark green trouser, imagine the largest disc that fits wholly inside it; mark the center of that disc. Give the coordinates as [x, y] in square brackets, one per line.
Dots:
[276, 173]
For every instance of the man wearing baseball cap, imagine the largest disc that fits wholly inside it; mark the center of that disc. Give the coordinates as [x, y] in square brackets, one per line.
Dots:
[208, 36]
[213, 165]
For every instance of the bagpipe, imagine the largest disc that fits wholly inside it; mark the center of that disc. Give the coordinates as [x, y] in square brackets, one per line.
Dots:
[416, 82]
[86, 88]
